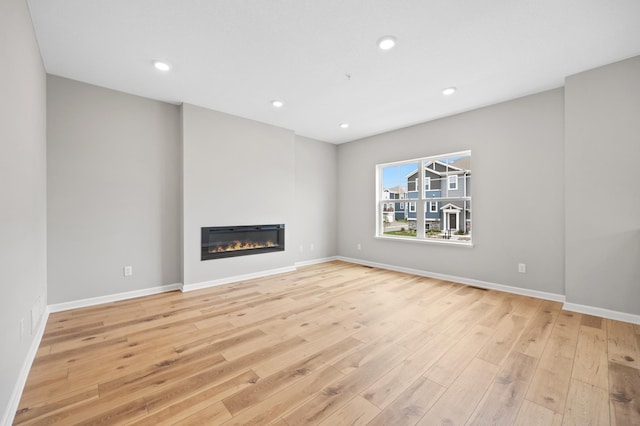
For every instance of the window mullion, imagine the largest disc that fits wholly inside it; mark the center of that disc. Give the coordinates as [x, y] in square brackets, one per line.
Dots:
[420, 203]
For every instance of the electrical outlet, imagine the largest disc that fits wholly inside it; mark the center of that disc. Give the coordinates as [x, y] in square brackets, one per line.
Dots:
[359, 246]
[522, 268]
[311, 247]
[301, 248]
[128, 271]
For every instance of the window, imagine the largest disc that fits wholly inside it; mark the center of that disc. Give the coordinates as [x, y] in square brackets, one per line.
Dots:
[453, 182]
[413, 185]
[440, 213]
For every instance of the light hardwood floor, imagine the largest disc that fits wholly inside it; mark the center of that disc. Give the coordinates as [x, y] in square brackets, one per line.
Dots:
[334, 344]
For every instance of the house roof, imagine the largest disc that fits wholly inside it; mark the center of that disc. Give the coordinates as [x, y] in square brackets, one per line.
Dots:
[450, 206]
[398, 189]
[455, 166]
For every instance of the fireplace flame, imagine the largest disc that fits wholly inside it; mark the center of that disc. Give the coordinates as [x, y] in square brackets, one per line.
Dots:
[241, 245]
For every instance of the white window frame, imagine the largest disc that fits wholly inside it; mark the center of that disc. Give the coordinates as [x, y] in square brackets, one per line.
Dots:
[419, 205]
[401, 206]
[454, 181]
[433, 207]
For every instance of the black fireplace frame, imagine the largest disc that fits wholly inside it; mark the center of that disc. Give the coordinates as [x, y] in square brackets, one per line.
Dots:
[207, 231]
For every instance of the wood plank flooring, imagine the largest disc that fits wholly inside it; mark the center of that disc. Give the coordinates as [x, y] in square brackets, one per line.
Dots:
[334, 344]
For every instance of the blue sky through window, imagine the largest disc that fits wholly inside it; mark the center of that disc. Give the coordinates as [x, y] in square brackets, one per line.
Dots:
[397, 175]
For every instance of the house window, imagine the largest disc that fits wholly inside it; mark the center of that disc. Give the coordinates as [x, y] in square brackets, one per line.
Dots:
[411, 182]
[441, 213]
[453, 182]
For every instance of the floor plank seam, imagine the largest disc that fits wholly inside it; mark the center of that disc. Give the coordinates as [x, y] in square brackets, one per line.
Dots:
[368, 341]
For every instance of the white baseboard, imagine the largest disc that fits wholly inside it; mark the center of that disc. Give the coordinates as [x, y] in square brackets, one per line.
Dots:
[236, 278]
[315, 261]
[582, 309]
[10, 413]
[476, 283]
[83, 303]
[601, 312]
[35, 344]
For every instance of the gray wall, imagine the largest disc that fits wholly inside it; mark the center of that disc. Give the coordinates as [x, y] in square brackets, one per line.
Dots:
[315, 199]
[23, 259]
[602, 162]
[518, 213]
[113, 191]
[236, 172]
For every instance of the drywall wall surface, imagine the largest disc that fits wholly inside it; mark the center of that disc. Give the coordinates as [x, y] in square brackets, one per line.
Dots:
[518, 209]
[23, 244]
[235, 172]
[113, 191]
[602, 160]
[315, 199]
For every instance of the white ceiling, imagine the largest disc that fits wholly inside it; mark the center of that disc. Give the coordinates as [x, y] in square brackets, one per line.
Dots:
[236, 56]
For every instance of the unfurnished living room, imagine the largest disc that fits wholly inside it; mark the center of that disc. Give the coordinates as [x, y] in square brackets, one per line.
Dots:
[289, 212]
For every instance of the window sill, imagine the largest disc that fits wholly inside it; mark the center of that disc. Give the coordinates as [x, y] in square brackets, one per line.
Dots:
[454, 243]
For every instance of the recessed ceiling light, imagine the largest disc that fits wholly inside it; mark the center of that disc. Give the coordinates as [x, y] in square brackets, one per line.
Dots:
[344, 125]
[277, 104]
[386, 42]
[449, 91]
[162, 66]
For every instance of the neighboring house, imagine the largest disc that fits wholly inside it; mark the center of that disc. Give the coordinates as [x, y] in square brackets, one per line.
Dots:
[396, 208]
[388, 209]
[448, 183]
[399, 193]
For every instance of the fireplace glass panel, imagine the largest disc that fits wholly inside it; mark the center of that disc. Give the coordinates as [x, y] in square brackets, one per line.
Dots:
[231, 241]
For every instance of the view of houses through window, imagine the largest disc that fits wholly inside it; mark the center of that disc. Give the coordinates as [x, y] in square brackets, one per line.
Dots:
[444, 203]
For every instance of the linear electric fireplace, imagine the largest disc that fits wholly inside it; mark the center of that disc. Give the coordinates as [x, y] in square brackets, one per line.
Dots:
[231, 241]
